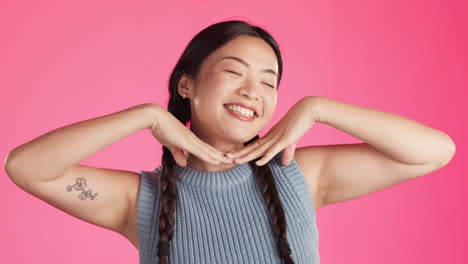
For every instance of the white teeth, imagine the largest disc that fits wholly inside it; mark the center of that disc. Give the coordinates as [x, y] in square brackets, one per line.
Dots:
[241, 110]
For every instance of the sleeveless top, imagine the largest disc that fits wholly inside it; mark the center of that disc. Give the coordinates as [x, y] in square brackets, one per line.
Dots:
[221, 217]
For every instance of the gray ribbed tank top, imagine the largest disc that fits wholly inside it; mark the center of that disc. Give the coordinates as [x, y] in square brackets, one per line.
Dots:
[221, 217]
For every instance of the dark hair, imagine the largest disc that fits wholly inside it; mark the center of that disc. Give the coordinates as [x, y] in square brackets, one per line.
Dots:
[199, 48]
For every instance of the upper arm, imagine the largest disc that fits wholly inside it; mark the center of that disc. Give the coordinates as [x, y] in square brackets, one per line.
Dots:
[105, 200]
[343, 172]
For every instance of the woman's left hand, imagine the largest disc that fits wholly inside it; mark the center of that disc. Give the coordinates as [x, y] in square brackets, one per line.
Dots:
[283, 135]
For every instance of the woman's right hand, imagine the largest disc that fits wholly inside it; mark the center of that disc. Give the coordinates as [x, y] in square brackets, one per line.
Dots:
[175, 136]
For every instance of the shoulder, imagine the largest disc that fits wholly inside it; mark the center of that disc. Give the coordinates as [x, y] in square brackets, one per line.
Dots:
[143, 191]
[310, 160]
[293, 185]
[144, 185]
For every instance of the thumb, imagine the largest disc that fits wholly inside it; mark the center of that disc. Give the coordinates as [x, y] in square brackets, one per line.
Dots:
[179, 156]
[288, 154]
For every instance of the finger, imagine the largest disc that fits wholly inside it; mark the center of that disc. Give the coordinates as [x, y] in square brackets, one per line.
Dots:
[212, 151]
[197, 149]
[205, 146]
[271, 135]
[205, 156]
[178, 156]
[257, 151]
[288, 154]
[217, 153]
[243, 151]
[271, 152]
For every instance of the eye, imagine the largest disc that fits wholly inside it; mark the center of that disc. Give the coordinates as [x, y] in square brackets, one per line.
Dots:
[234, 72]
[269, 85]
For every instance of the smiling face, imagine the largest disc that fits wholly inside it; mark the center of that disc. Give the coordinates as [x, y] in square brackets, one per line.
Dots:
[244, 71]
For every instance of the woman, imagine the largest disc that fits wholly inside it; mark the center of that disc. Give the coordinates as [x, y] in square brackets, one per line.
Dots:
[221, 194]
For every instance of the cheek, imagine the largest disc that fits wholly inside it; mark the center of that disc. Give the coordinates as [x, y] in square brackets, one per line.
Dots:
[215, 84]
[270, 101]
[208, 97]
[215, 92]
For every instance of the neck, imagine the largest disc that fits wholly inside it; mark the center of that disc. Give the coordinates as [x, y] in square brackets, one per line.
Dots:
[196, 163]
[216, 141]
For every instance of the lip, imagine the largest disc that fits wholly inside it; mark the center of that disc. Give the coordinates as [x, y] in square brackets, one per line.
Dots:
[239, 116]
[245, 106]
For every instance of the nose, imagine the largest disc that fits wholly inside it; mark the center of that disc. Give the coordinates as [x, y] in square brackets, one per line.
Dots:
[249, 89]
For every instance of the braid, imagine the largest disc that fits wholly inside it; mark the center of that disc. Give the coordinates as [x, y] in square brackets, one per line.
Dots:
[270, 194]
[168, 199]
[199, 48]
[168, 183]
[275, 207]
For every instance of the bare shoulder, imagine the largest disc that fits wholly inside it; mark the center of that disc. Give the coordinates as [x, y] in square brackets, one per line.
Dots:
[310, 160]
[342, 172]
[131, 233]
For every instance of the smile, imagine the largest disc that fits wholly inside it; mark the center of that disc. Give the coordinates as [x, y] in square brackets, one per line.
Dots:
[240, 114]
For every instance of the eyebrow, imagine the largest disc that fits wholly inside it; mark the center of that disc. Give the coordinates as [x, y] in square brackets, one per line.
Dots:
[246, 64]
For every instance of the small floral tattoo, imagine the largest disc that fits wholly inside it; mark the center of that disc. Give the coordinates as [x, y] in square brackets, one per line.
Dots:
[80, 185]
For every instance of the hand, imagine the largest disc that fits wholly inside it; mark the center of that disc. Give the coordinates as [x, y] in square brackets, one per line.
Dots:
[174, 135]
[284, 135]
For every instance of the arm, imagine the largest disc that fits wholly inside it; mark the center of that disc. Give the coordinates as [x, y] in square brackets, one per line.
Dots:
[47, 165]
[396, 149]
[400, 138]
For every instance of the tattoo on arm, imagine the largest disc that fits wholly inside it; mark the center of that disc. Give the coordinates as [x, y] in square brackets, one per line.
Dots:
[80, 185]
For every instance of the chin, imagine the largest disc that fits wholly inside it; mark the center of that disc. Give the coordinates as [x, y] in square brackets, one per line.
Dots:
[241, 139]
[238, 134]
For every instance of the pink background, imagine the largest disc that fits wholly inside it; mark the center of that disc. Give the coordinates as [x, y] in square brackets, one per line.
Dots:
[66, 62]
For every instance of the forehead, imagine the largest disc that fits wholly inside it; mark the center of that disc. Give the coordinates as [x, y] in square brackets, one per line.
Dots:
[254, 50]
